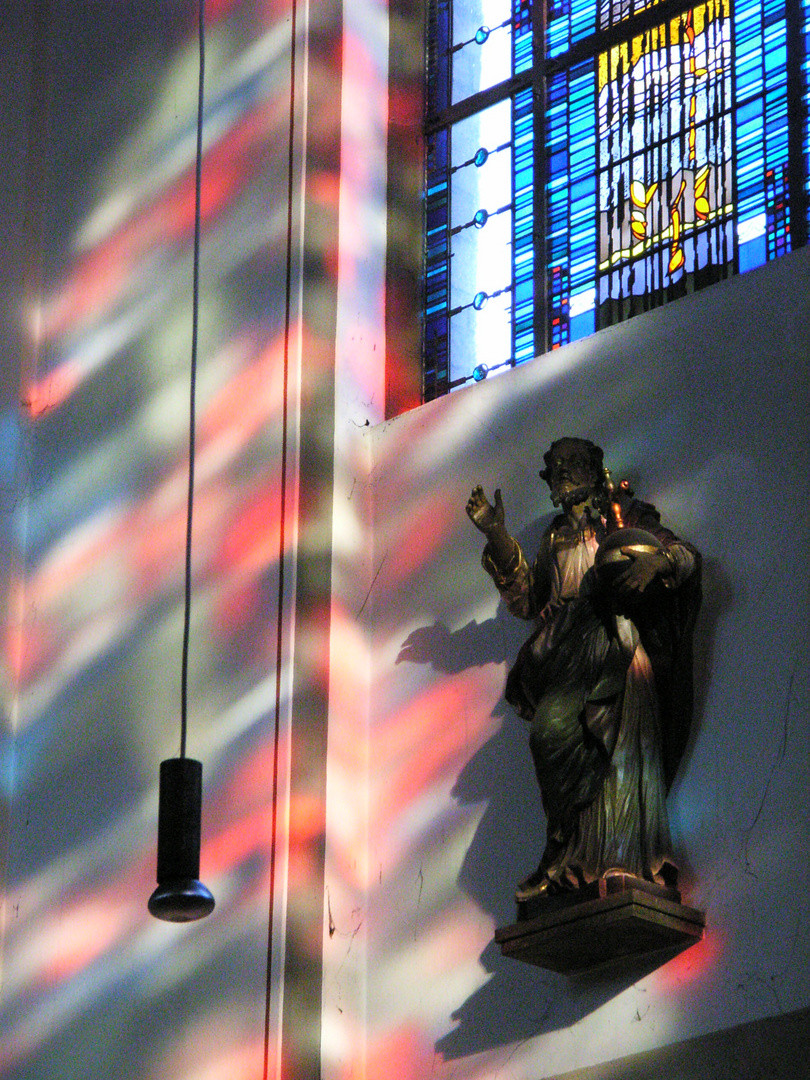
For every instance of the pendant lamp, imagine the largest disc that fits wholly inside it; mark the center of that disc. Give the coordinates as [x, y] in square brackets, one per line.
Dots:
[180, 896]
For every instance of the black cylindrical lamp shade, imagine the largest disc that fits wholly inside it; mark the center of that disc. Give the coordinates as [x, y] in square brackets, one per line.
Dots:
[180, 895]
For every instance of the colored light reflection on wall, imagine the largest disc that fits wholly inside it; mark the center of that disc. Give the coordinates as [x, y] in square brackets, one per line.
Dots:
[91, 987]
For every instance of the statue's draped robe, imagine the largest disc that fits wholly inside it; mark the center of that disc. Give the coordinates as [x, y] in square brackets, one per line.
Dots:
[608, 698]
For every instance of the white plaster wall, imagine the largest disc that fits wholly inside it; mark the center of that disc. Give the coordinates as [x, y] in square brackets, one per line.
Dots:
[704, 405]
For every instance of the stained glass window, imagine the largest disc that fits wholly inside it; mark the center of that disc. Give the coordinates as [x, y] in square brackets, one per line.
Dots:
[637, 152]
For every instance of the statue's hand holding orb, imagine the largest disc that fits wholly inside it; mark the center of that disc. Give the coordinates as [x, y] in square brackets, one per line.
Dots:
[629, 560]
[642, 571]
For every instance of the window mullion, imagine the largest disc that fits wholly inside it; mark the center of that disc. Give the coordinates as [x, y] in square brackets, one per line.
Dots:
[462, 110]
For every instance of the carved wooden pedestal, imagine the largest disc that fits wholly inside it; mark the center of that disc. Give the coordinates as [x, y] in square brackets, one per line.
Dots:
[613, 918]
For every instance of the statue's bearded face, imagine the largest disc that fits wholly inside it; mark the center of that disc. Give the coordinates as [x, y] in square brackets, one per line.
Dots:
[571, 475]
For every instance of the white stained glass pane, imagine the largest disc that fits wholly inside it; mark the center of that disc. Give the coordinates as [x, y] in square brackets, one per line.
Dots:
[488, 186]
[480, 336]
[487, 61]
[481, 260]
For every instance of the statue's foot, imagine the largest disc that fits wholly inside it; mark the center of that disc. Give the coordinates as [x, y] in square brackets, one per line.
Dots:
[537, 884]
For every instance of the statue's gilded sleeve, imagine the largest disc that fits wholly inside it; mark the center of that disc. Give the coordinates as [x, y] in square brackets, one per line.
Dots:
[524, 588]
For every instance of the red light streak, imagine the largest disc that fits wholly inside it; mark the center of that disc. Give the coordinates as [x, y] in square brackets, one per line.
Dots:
[693, 963]
[248, 399]
[78, 936]
[430, 739]
[400, 1053]
[251, 542]
[100, 277]
[426, 534]
[49, 392]
[239, 842]
[324, 188]
[215, 10]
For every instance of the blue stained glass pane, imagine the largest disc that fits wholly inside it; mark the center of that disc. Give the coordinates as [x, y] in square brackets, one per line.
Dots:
[752, 254]
[522, 35]
[523, 259]
[776, 59]
[438, 55]
[751, 111]
[582, 325]
[762, 139]
[572, 248]
[805, 67]
[583, 188]
[437, 267]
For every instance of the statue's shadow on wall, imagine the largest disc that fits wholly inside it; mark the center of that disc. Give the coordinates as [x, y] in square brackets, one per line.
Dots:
[520, 1001]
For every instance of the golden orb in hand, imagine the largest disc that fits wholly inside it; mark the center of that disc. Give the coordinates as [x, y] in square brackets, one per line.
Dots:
[615, 553]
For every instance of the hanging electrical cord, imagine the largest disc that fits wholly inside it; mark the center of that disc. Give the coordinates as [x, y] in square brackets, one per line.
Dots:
[180, 895]
[192, 420]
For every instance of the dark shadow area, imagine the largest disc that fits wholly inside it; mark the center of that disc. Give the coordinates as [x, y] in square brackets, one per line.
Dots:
[520, 1001]
[775, 1047]
[718, 597]
[452, 651]
[508, 841]
[491, 642]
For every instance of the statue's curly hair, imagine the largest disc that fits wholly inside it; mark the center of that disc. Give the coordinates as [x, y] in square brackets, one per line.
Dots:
[594, 453]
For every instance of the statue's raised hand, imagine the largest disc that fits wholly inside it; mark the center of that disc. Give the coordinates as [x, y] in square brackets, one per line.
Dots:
[482, 514]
